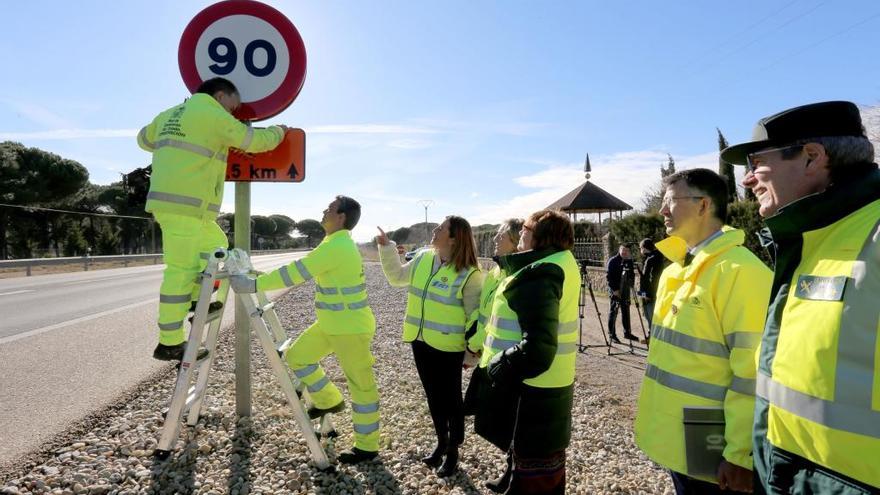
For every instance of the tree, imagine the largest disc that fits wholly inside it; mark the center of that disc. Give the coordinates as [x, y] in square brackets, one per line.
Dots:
[31, 176]
[726, 169]
[652, 198]
[400, 235]
[670, 168]
[284, 225]
[311, 229]
[634, 228]
[744, 215]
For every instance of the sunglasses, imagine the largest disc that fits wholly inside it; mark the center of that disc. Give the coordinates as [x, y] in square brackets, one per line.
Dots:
[752, 161]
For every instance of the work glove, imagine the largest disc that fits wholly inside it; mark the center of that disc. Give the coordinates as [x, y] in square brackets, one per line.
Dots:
[501, 371]
[242, 284]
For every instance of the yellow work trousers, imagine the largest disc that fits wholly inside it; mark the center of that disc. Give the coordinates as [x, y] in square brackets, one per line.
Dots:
[186, 244]
[356, 360]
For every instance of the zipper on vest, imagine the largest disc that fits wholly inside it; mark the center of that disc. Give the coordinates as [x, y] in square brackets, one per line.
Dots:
[425, 296]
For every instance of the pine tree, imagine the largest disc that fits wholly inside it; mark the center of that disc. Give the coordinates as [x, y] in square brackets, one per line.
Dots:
[726, 170]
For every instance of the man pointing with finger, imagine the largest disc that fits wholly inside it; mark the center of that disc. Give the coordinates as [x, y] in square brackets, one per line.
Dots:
[345, 326]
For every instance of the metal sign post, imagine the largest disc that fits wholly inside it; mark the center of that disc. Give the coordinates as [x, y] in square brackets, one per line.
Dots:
[242, 319]
[257, 48]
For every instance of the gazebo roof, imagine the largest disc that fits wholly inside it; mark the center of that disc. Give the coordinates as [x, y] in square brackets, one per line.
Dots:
[589, 198]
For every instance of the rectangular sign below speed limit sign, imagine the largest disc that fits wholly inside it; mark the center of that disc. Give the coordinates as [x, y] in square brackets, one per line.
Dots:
[286, 163]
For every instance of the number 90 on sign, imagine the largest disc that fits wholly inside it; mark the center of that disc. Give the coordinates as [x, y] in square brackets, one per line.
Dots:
[248, 51]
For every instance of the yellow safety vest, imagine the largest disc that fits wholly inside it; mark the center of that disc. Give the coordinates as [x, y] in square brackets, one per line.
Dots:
[503, 330]
[823, 388]
[340, 287]
[707, 323]
[435, 304]
[487, 294]
[189, 143]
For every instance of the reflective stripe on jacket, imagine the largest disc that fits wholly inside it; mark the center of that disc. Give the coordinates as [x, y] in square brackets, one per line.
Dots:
[819, 365]
[435, 305]
[487, 294]
[340, 286]
[189, 143]
[503, 330]
[708, 319]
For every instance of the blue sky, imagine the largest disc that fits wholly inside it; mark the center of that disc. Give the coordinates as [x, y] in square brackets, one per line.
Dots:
[485, 107]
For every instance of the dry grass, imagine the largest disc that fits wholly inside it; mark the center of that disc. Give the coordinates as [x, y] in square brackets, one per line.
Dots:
[71, 267]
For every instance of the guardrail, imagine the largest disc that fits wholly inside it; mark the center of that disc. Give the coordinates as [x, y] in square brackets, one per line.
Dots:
[87, 260]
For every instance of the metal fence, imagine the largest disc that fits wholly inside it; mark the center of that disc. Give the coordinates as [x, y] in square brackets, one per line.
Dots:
[87, 261]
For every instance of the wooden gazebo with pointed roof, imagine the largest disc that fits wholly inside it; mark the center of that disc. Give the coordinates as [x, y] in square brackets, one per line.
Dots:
[590, 198]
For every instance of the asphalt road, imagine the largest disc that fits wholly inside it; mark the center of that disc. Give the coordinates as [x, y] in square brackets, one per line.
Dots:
[71, 343]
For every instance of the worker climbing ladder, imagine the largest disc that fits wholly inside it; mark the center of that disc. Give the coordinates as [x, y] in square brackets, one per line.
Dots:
[187, 399]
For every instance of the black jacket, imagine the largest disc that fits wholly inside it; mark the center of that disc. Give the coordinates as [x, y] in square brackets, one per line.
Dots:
[536, 420]
[651, 270]
[614, 272]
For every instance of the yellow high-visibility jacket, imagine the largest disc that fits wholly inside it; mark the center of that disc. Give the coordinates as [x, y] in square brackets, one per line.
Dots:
[707, 323]
[340, 286]
[503, 329]
[487, 294]
[189, 143]
[818, 382]
[435, 304]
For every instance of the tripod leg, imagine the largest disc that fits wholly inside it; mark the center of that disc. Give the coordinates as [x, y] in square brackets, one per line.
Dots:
[598, 314]
[639, 313]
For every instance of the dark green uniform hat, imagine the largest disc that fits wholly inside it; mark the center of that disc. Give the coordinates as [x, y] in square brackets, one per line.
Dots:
[826, 119]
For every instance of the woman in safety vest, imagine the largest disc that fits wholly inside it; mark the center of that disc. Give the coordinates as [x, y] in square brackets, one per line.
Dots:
[529, 357]
[506, 241]
[444, 293]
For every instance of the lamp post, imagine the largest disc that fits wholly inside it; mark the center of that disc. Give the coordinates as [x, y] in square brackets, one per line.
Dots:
[426, 203]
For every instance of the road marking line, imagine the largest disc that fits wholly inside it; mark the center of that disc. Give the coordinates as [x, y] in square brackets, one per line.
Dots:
[15, 292]
[37, 331]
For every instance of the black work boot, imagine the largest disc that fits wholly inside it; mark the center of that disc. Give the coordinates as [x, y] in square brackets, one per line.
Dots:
[436, 457]
[499, 485]
[214, 306]
[355, 456]
[450, 463]
[317, 412]
[630, 336]
[615, 339]
[175, 352]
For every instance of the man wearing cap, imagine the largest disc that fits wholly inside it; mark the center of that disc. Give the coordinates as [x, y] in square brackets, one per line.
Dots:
[817, 413]
[710, 308]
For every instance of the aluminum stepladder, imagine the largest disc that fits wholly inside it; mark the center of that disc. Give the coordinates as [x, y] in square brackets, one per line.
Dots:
[187, 398]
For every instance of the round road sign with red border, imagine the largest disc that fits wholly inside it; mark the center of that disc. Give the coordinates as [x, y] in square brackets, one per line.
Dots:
[251, 44]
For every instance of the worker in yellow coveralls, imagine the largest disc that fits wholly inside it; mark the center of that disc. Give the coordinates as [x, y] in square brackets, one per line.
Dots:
[345, 326]
[189, 143]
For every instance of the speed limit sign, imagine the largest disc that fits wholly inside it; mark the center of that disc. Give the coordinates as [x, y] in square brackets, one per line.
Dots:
[251, 44]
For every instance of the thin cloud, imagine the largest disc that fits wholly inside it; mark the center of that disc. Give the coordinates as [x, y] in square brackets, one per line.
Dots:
[369, 129]
[68, 134]
[411, 144]
[871, 120]
[38, 114]
[625, 175]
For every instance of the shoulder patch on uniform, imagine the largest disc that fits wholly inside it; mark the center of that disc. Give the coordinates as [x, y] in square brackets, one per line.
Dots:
[816, 288]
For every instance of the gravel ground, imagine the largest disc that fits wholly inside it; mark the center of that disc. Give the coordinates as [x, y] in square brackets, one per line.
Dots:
[111, 451]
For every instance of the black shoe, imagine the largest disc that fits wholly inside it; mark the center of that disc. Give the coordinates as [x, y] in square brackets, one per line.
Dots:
[499, 485]
[317, 412]
[450, 464]
[630, 336]
[214, 306]
[175, 352]
[355, 456]
[436, 457]
[615, 339]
